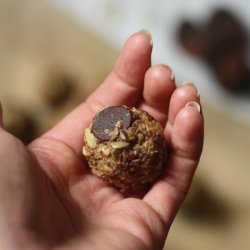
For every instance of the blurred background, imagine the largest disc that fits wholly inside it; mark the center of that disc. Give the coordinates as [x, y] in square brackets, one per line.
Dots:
[54, 53]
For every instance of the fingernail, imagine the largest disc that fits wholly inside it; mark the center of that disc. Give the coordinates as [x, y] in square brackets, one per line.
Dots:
[194, 86]
[194, 105]
[172, 76]
[148, 33]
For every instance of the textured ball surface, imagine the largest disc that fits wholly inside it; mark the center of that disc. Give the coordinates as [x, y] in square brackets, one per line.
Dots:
[125, 147]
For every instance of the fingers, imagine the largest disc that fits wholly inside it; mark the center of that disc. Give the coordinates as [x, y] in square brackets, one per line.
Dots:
[158, 87]
[184, 94]
[186, 142]
[125, 83]
[123, 86]
[187, 133]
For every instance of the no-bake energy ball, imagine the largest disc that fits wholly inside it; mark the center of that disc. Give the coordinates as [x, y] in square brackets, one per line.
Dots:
[125, 147]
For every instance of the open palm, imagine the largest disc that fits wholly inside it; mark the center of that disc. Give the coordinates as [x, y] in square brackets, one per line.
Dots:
[50, 199]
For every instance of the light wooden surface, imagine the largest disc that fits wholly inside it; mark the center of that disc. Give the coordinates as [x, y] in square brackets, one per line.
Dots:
[48, 40]
[35, 42]
[225, 170]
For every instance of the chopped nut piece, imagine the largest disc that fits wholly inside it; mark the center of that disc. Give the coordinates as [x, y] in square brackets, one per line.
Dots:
[105, 151]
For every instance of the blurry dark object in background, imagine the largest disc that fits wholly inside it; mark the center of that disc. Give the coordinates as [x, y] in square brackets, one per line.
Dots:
[58, 88]
[194, 39]
[202, 205]
[222, 42]
[20, 124]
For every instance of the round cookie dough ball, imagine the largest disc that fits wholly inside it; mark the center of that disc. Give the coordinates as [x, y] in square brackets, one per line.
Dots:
[125, 147]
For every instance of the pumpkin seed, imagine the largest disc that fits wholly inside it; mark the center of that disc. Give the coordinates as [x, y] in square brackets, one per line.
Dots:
[85, 152]
[90, 139]
[119, 144]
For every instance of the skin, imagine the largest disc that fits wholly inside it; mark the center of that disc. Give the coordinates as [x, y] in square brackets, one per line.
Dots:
[49, 198]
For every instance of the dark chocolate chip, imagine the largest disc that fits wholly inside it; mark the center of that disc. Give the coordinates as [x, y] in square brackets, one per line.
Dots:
[105, 122]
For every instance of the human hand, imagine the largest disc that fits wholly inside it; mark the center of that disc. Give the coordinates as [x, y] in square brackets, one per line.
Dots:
[49, 198]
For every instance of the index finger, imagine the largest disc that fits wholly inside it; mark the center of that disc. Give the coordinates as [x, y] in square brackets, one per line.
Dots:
[122, 87]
